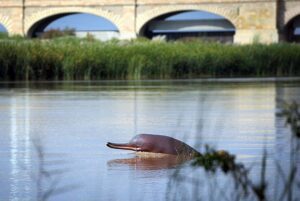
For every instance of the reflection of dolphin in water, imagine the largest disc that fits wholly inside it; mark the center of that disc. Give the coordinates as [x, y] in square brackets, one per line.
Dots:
[165, 161]
[157, 144]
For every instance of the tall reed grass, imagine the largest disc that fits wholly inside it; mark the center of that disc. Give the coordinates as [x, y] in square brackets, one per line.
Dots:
[69, 58]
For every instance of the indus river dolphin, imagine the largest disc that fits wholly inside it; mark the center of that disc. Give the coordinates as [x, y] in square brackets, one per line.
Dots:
[159, 144]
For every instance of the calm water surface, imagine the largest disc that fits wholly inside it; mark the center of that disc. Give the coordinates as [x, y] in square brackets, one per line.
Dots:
[53, 135]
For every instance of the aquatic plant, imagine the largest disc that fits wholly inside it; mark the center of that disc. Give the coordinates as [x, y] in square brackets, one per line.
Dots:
[70, 58]
[48, 175]
[245, 186]
[55, 33]
[3, 35]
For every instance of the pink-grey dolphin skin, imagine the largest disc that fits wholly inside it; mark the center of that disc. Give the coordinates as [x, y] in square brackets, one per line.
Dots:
[156, 144]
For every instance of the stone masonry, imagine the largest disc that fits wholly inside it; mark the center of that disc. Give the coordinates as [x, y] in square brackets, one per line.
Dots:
[262, 20]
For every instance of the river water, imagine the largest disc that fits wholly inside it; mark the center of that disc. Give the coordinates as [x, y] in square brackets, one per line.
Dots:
[53, 135]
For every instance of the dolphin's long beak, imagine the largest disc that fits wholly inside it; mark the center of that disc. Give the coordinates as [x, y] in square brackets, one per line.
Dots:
[125, 146]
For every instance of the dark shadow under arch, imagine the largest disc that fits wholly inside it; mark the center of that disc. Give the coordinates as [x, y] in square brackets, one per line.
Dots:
[40, 26]
[292, 30]
[216, 28]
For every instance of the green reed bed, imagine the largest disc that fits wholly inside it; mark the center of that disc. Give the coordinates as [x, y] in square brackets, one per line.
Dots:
[82, 59]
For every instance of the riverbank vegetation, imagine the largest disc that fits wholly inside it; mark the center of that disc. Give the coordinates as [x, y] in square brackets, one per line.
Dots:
[69, 58]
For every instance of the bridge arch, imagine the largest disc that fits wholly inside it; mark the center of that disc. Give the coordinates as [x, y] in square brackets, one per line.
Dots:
[6, 23]
[149, 15]
[292, 30]
[291, 22]
[36, 18]
[290, 14]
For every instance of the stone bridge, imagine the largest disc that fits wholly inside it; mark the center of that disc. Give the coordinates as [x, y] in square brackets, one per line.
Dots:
[267, 20]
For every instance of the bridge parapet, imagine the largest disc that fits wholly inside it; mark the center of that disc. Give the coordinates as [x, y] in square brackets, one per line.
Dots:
[178, 2]
[78, 3]
[11, 3]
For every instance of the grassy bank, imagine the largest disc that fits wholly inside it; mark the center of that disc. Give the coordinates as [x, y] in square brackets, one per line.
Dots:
[79, 59]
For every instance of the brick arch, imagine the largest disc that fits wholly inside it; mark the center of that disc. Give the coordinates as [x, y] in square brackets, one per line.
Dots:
[291, 14]
[7, 23]
[40, 15]
[230, 14]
